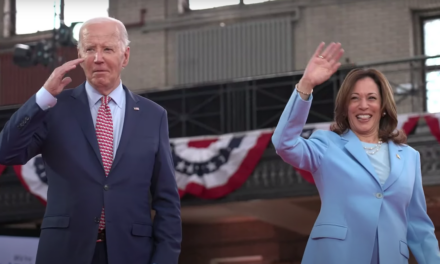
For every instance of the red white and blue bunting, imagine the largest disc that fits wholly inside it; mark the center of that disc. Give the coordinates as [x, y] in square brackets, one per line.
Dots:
[433, 121]
[211, 167]
[33, 177]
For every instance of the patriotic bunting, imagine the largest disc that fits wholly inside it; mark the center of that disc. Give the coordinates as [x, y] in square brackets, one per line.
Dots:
[433, 122]
[33, 177]
[407, 122]
[212, 167]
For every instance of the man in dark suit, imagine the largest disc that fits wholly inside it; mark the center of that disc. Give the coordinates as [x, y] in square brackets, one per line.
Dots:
[106, 153]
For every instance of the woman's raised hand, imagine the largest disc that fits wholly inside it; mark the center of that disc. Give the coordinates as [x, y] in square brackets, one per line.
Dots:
[321, 66]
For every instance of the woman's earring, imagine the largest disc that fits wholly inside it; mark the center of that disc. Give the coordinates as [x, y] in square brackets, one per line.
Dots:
[384, 113]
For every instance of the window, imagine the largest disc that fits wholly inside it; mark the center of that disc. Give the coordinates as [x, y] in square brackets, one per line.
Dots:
[431, 40]
[249, 2]
[204, 4]
[42, 15]
[34, 16]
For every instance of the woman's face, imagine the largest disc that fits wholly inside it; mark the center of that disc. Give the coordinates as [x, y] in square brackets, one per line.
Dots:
[364, 108]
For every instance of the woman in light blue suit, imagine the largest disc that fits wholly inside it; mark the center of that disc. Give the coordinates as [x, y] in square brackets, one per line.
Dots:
[373, 205]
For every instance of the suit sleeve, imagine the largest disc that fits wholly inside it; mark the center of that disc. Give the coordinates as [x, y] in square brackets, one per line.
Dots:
[23, 135]
[301, 153]
[167, 223]
[421, 237]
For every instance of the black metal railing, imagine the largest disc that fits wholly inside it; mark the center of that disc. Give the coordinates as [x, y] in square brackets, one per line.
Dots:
[256, 103]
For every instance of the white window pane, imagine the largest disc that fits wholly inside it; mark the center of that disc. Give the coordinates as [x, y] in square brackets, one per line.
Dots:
[81, 10]
[248, 2]
[431, 34]
[205, 4]
[433, 92]
[33, 16]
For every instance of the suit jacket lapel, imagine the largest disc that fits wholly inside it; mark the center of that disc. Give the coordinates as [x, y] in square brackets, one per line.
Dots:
[355, 148]
[81, 109]
[396, 163]
[130, 121]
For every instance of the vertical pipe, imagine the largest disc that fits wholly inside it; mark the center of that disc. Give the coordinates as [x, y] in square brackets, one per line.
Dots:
[222, 109]
[183, 116]
[61, 11]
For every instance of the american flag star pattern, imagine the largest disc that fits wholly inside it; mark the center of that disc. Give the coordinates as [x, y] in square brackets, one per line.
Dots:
[104, 133]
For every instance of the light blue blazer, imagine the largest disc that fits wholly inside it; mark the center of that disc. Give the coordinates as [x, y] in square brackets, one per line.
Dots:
[354, 204]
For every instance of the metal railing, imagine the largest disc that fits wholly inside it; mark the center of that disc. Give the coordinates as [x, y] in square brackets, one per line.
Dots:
[255, 103]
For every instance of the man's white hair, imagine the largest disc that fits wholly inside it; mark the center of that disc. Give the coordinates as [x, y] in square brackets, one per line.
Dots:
[121, 29]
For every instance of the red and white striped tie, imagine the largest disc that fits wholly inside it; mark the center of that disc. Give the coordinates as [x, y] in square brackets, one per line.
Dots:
[104, 133]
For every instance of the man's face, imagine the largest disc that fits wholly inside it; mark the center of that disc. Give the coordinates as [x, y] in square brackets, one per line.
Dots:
[102, 49]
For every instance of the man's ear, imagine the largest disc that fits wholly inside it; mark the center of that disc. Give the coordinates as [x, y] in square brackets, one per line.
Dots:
[126, 57]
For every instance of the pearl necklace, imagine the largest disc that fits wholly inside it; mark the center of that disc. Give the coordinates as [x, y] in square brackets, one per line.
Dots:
[375, 149]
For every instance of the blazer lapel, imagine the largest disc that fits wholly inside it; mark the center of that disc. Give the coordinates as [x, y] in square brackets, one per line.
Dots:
[396, 163]
[132, 113]
[81, 109]
[355, 148]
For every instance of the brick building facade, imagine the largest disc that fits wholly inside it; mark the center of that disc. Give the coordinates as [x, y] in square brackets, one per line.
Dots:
[370, 31]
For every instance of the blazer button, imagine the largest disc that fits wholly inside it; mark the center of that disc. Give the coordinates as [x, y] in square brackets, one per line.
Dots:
[97, 220]
[106, 187]
[379, 195]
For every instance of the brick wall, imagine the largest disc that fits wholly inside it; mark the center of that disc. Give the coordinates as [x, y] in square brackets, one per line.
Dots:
[146, 68]
[369, 30]
[128, 10]
[19, 84]
[147, 65]
[373, 30]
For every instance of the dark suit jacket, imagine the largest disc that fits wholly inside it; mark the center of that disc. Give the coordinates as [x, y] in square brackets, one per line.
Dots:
[78, 187]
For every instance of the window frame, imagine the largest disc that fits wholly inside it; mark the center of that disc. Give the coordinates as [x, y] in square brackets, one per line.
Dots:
[241, 3]
[427, 68]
